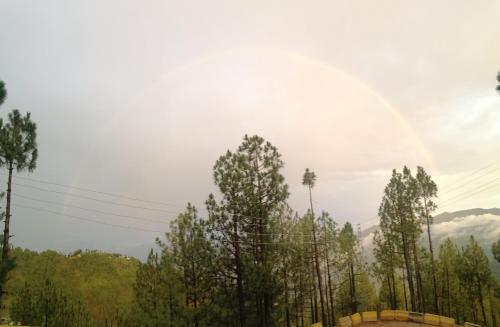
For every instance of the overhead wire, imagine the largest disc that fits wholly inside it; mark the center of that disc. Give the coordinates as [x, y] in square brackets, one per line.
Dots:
[98, 192]
[88, 219]
[93, 199]
[471, 174]
[87, 209]
[245, 242]
[113, 202]
[117, 196]
[300, 235]
[477, 190]
[117, 203]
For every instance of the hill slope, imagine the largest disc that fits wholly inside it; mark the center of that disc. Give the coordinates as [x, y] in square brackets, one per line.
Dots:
[102, 281]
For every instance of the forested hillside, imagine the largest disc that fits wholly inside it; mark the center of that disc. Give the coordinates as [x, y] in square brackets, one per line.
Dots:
[102, 282]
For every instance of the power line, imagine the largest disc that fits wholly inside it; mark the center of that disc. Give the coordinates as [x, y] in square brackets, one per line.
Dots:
[468, 192]
[300, 235]
[88, 209]
[449, 188]
[94, 199]
[89, 219]
[109, 194]
[148, 230]
[117, 203]
[107, 201]
[98, 192]
[481, 189]
[140, 218]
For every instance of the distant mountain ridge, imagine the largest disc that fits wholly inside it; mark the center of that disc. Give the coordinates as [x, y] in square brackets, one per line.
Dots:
[446, 217]
[483, 224]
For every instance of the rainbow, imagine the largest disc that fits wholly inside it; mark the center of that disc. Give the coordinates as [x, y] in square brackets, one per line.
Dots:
[170, 75]
[304, 60]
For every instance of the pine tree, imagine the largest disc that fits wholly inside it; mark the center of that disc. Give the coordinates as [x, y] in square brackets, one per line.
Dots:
[18, 149]
[47, 305]
[309, 179]
[397, 223]
[348, 244]
[192, 255]
[386, 265]
[253, 192]
[448, 269]
[158, 293]
[427, 190]
[330, 241]
[476, 273]
[301, 277]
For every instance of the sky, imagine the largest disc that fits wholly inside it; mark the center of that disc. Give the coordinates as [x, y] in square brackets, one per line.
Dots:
[140, 98]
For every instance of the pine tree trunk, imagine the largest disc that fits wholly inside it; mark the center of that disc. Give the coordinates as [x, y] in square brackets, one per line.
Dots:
[354, 301]
[448, 290]
[195, 297]
[492, 307]
[302, 300]
[395, 298]
[481, 302]
[316, 259]
[6, 234]
[409, 275]
[330, 291]
[392, 290]
[314, 299]
[266, 296]
[404, 289]
[431, 250]
[327, 297]
[239, 276]
[296, 305]
[389, 286]
[420, 291]
[473, 308]
[285, 281]
[302, 307]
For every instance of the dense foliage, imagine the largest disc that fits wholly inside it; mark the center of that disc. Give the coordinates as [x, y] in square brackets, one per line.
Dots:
[101, 282]
[253, 261]
[459, 284]
[47, 305]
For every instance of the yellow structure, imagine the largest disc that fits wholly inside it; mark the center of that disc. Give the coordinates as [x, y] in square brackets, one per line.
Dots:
[431, 319]
[401, 315]
[345, 322]
[446, 322]
[416, 317]
[469, 324]
[318, 324]
[369, 316]
[356, 319]
[387, 315]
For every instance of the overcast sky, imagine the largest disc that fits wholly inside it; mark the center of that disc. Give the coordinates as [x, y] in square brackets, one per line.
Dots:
[141, 97]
